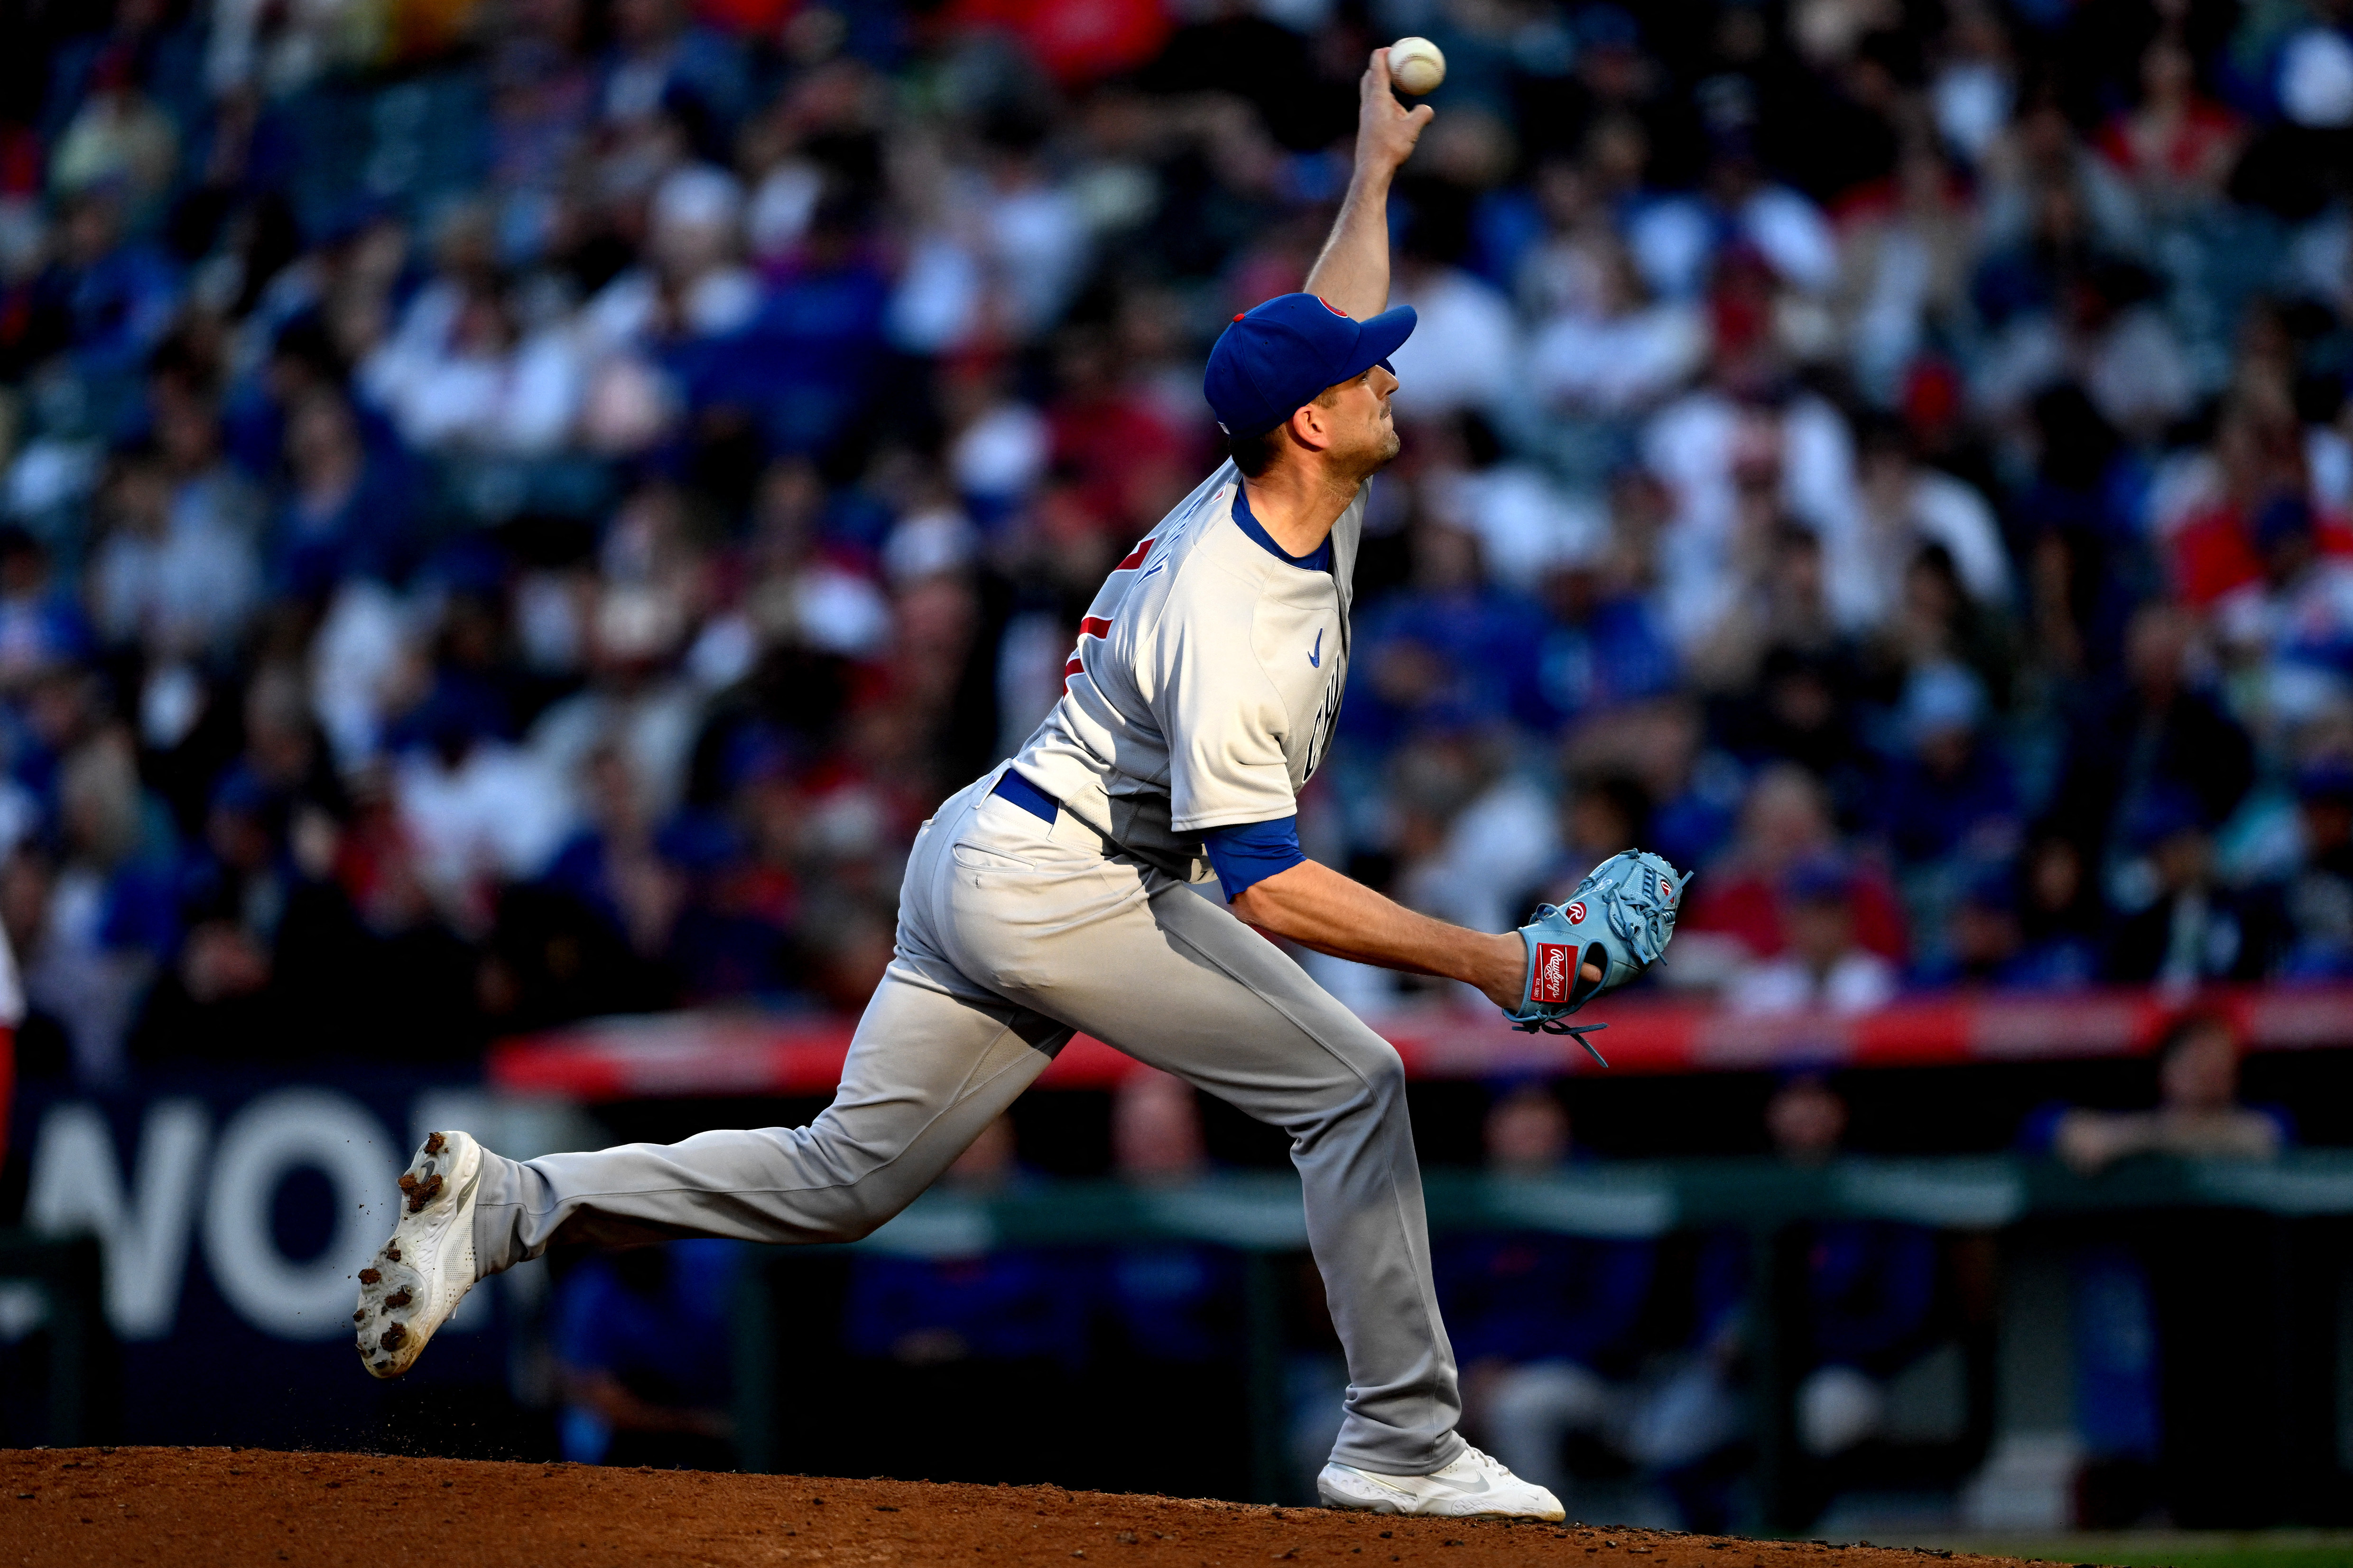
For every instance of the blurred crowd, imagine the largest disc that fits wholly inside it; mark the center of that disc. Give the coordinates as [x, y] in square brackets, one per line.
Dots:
[517, 509]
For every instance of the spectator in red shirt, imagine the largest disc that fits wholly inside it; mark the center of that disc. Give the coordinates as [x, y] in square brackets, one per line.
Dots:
[2177, 145]
[2259, 450]
[1127, 461]
[1784, 821]
[2220, 551]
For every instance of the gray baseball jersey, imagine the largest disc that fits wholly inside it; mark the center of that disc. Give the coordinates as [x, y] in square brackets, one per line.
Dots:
[1205, 682]
[1201, 694]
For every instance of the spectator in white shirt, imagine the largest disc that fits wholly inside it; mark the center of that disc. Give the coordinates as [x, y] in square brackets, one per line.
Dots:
[1726, 450]
[1676, 241]
[1823, 968]
[481, 384]
[998, 251]
[636, 702]
[1904, 267]
[1907, 506]
[1622, 353]
[694, 284]
[2290, 629]
[1563, 273]
[1465, 352]
[171, 573]
[1527, 525]
[479, 812]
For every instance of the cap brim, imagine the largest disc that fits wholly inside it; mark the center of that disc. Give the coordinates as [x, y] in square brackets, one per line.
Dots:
[1378, 338]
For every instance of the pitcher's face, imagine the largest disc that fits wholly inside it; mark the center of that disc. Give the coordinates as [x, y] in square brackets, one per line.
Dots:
[1363, 429]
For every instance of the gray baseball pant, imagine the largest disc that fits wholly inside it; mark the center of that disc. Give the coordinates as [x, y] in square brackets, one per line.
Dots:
[1012, 935]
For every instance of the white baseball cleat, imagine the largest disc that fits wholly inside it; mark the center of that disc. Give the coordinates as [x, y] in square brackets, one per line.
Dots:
[1472, 1487]
[417, 1278]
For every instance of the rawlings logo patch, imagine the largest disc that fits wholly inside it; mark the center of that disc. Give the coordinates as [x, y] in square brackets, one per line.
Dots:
[1667, 888]
[1575, 913]
[1555, 967]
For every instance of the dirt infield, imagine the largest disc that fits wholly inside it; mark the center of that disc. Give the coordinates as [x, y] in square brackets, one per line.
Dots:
[220, 1507]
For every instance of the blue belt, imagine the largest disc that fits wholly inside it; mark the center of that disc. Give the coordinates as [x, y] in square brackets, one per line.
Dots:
[1027, 796]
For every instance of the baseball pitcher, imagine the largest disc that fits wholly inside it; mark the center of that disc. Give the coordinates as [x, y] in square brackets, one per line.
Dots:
[1066, 891]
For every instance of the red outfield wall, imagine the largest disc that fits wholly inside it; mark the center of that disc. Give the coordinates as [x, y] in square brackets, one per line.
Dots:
[663, 1055]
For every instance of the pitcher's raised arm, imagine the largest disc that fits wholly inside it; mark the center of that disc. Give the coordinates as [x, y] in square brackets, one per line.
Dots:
[1353, 272]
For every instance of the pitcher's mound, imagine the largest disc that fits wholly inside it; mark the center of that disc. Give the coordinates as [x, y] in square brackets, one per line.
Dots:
[220, 1507]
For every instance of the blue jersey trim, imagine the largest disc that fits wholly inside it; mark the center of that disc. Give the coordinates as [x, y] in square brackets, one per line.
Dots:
[1248, 853]
[1318, 559]
[1027, 796]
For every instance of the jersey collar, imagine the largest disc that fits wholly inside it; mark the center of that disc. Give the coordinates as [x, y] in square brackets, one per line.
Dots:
[1318, 559]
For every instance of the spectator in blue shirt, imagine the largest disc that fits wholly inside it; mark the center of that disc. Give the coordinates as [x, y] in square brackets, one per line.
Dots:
[1545, 1326]
[1166, 1297]
[1803, 709]
[2191, 927]
[1952, 791]
[2059, 919]
[1007, 1305]
[641, 1340]
[2319, 896]
[41, 627]
[1604, 647]
[1981, 940]
[1451, 652]
[2144, 1394]
[1169, 1312]
[1602, 814]
[105, 299]
[339, 517]
[2198, 1112]
[1870, 1286]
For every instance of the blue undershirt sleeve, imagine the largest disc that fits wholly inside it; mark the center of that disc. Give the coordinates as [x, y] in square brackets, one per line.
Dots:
[1248, 853]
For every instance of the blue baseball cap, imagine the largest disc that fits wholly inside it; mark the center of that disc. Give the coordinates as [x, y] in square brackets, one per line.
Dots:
[1819, 879]
[1279, 355]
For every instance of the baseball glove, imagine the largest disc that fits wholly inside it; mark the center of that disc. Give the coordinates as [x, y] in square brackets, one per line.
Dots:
[1620, 918]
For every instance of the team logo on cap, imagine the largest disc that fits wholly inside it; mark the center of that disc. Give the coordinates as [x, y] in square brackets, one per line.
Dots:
[1550, 983]
[1333, 308]
[1575, 913]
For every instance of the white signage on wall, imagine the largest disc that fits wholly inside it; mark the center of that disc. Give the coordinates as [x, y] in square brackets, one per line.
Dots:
[149, 1205]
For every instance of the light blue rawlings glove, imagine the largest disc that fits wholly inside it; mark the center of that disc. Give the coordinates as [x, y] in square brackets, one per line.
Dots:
[1620, 918]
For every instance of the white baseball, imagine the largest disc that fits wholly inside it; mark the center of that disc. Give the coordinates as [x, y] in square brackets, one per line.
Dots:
[1415, 65]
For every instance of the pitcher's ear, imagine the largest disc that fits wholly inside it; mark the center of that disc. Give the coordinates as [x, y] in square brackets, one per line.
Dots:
[1307, 427]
